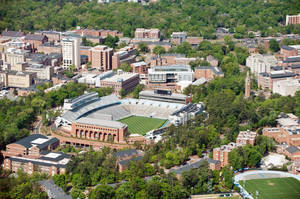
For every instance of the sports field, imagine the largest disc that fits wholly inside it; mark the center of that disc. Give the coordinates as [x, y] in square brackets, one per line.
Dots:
[273, 188]
[142, 125]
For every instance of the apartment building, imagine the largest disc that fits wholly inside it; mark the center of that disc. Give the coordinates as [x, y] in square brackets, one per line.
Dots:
[70, 51]
[124, 55]
[101, 57]
[221, 153]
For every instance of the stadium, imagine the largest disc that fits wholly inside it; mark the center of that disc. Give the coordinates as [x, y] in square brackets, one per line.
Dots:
[268, 185]
[120, 118]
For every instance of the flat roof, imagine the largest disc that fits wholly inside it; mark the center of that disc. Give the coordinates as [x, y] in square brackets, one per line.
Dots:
[39, 140]
[120, 77]
[52, 155]
[97, 122]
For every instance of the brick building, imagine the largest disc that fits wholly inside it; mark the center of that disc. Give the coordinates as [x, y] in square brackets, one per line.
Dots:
[48, 48]
[101, 57]
[102, 130]
[208, 72]
[124, 158]
[12, 34]
[266, 80]
[147, 33]
[178, 37]
[139, 67]
[287, 130]
[221, 153]
[124, 55]
[246, 137]
[292, 19]
[35, 40]
[32, 153]
[17, 79]
[121, 81]
[287, 51]
[53, 36]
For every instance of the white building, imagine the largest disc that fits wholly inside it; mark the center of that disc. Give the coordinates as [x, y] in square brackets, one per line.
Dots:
[261, 63]
[70, 51]
[186, 113]
[286, 87]
[171, 73]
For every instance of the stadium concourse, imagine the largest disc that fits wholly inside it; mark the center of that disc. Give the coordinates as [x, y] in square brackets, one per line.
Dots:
[90, 119]
[241, 178]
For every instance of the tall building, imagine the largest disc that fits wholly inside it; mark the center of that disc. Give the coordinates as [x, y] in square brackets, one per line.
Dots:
[101, 57]
[70, 51]
[292, 19]
[261, 63]
[247, 86]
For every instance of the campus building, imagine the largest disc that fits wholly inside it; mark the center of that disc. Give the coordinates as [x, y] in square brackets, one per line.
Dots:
[170, 59]
[124, 158]
[287, 130]
[166, 77]
[178, 37]
[208, 72]
[292, 19]
[35, 40]
[286, 87]
[122, 81]
[124, 55]
[33, 153]
[17, 79]
[147, 33]
[70, 51]
[101, 57]
[260, 63]
[221, 153]
[267, 80]
[246, 137]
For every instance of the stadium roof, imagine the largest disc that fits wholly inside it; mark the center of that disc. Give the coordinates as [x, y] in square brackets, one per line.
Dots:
[173, 95]
[97, 122]
[72, 115]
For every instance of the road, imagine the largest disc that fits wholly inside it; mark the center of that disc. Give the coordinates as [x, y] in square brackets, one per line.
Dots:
[37, 129]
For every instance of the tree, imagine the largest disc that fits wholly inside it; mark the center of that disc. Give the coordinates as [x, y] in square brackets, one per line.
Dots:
[143, 47]
[158, 50]
[122, 93]
[111, 41]
[274, 45]
[102, 191]
[126, 67]
[137, 90]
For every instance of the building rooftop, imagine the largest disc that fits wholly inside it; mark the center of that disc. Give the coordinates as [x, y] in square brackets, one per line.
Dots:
[138, 64]
[97, 122]
[39, 140]
[120, 77]
[151, 93]
[36, 37]
[292, 59]
[53, 191]
[194, 165]
[292, 149]
[216, 70]
[287, 47]
[12, 33]
[171, 68]
[126, 153]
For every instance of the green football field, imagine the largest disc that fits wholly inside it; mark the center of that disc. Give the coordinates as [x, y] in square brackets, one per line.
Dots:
[142, 125]
[273, 188]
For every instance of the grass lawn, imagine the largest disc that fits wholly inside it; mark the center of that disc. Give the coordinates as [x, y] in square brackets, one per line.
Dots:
[273, 188]
[142, 125]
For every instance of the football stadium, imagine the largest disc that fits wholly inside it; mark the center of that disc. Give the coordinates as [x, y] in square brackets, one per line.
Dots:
[115, 118]
[269, 185]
